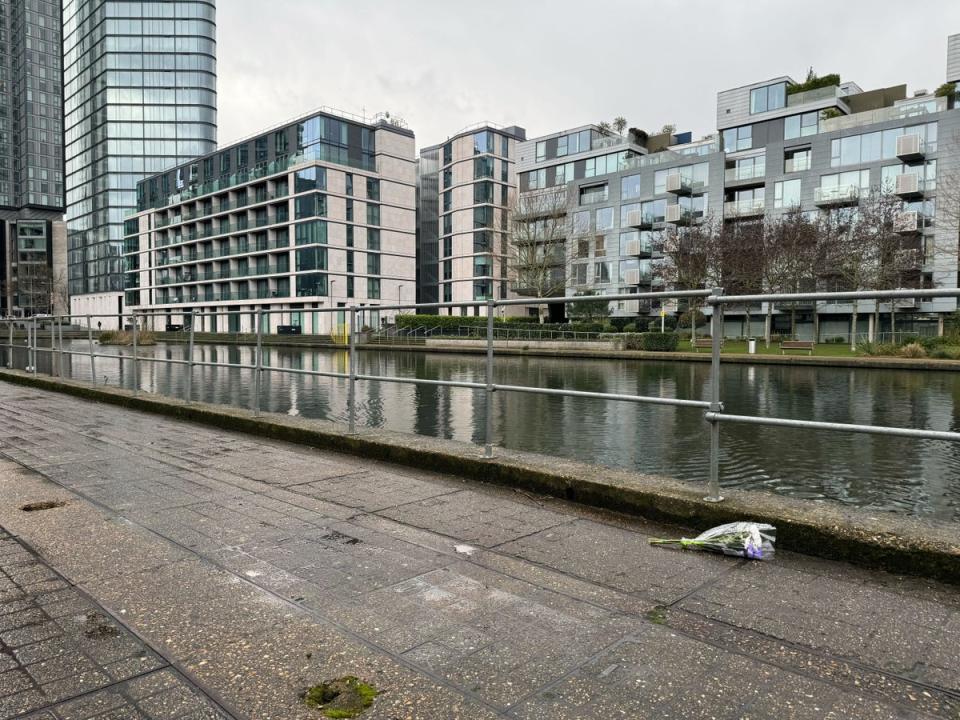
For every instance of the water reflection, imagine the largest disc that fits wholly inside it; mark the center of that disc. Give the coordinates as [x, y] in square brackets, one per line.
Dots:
[886, 473]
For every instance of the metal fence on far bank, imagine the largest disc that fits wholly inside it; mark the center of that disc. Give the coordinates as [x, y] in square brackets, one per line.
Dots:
[712, 407]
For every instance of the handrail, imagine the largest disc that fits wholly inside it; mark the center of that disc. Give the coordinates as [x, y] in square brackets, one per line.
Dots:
[712, 407]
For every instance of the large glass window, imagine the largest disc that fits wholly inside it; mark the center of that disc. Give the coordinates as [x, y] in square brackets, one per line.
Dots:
[740, 138]
[260, 150]
[483, 217]
[314, 258]
[311, 178]
[311, 205]
[654, 211]
[483, 167]
[852, 178]
[768, 97]
[373, 288]
[541, 151]
[593, 194]
[581, 221]
[482, 265]
[314, 231]
[786, 193]
[605, 219]
[312, 285]
[801, 125]
[796, 160]
[483, 142]
[630, 187]
[482, 192]
[373, 189]
[373, 239]
[373, 263]
[373, 214]
[601, 272]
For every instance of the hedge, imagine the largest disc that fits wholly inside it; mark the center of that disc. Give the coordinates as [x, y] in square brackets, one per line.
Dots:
[452, 322]
[651, 341]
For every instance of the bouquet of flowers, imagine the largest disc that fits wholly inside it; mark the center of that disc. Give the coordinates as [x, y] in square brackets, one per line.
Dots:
[740, 539]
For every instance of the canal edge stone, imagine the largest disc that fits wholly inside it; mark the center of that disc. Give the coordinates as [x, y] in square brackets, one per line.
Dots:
[903, 545]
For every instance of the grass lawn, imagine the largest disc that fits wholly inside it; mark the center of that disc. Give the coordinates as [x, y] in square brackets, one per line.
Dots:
[740, 346]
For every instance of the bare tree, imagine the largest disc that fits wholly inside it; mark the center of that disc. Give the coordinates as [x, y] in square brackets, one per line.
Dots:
[789, 260]
[740, 258]
[619, 124]
[604, 127]
[537, 253]
[690, 261]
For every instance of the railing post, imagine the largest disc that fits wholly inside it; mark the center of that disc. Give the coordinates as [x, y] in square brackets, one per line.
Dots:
[136, 372]
[60, 347]
[258, 371]
[93, 364]
[716, 332]
[10, 346]
[488, 446]
[352, 394]
[190, 358]
[34, 345]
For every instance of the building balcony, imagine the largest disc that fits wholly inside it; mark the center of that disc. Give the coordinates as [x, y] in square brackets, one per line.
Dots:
[909, 186]
[679, 215]
[836, 196]
[638, 248]
[910, 148]
[743, 208]
[637, 219]
[907, 222]
[637, 277]
[746, 174]
[679, 185]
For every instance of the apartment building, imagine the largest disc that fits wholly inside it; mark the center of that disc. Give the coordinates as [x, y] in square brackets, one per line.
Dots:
[316, 214]
[140, 97]
[822, 147]
[466, 188]
[32, 239]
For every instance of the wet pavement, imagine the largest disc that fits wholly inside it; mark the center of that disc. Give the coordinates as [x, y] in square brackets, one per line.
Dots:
[196, 573]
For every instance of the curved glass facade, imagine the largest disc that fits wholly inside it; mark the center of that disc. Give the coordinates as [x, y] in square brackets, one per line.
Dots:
[139, 97]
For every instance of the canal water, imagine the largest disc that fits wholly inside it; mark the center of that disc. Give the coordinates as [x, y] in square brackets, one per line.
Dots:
[896, 474]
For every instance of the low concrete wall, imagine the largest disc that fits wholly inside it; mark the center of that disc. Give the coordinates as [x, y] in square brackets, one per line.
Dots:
[552, 345]
[879, 540]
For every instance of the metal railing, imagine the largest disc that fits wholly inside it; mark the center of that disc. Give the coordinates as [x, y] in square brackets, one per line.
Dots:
[713, 410]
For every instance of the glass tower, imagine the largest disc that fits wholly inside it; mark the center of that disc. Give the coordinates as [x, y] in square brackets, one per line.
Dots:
[139, 97]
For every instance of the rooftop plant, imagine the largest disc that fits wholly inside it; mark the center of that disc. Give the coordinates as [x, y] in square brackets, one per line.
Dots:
[814, 82]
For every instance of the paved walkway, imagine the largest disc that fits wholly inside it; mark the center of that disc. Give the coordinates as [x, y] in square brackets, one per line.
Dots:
[233, 572]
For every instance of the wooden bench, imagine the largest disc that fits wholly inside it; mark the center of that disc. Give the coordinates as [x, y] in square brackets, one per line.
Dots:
[807, 345]
[704, 343]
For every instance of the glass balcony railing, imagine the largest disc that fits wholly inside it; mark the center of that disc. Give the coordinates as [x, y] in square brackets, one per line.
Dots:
[735, 208]
[812, 96]
[836, 195]
[745, 172]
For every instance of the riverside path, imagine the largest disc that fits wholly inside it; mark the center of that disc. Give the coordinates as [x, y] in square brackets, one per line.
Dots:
[180, 571]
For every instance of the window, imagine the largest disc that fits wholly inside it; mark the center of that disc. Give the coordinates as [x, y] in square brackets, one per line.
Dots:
[311, 178]
[599, 246]
[314, 231]
[483, 192]
[349, 209]
[786, 193]
[541, 151]
[447, 178]
[447, 247]
[373, 214]
[373, 189]
[260, 150]
[373, 263]
[483, 290]
[601, 272]
[314, 258]
[310, 205]
[593, 194]
[447, 269]
[224, 163]
[694, 206]
[447, 224]
[841, 182]
[504, 171]
[373, 288]
[583, 248]
[562, 146]
[801, 125]
[482, 217]
[373, 239]
[483, 142]
[768, 97]
[482, 266]
[654, 211]
[630, 187]
[740, 138]
[280, 142]
[537, 179]
[482, 241]
[605, 219]
[314, 284]
[447, 293]
[350, 291]
[447, 200]
[483, 167]
[348, 184]
[563, 174]
[447, 153]
[505, 146]
[350, 266]
[796, 160]
[579, 273]
[241, 156]
[581, 221]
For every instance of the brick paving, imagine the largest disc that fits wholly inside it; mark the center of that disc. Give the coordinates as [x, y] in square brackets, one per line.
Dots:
[259, 568]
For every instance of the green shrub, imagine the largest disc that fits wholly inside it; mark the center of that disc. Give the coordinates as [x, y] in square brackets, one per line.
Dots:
[620, 323]
[836, 340]
[934, 342]
[630, 340]
[879, 349]
[685, 318]
[629, 328]
[659, 342]
[813, 83]
[949, 352]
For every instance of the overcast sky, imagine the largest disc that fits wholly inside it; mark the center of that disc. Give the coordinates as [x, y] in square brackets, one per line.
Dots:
[550, 65]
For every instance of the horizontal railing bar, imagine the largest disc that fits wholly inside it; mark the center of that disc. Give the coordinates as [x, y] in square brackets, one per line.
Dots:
[842, 427]
[852, 295]
[594, 298]
[418, 381]
[299, 371]
[602, 396]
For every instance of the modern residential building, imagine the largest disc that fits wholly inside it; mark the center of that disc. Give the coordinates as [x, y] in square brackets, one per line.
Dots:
[140, 97]
[466, 187]
[32, 252]
[821, 146]
[315, 214]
